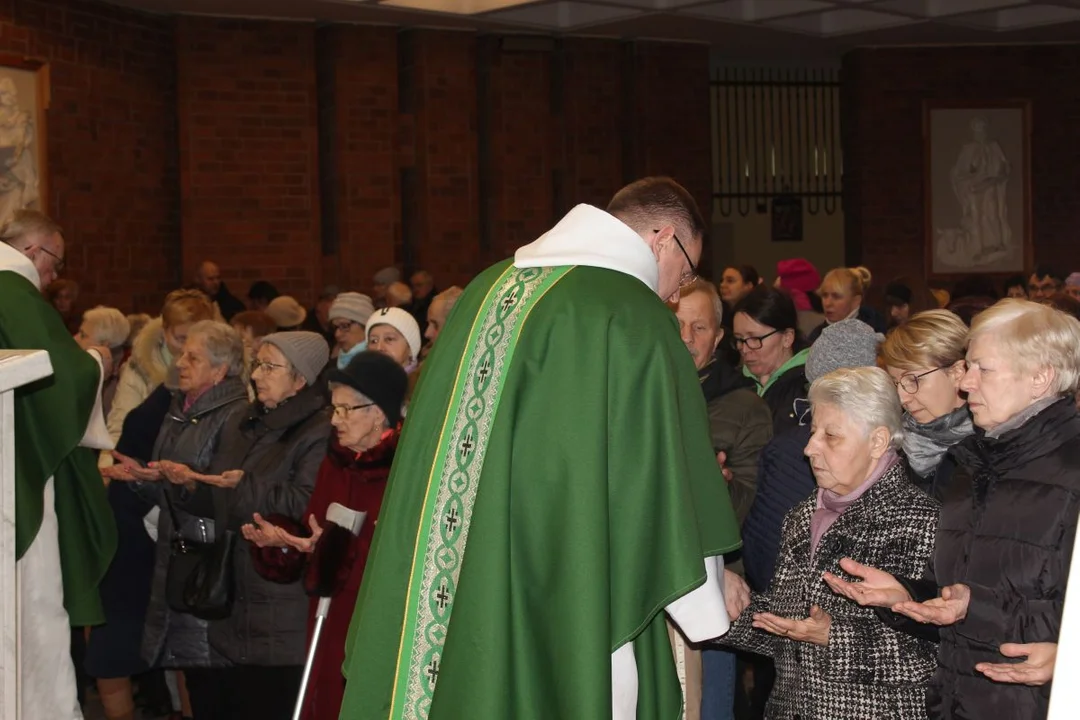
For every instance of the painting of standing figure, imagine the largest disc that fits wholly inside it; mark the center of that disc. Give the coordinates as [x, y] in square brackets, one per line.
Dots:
[977, 192]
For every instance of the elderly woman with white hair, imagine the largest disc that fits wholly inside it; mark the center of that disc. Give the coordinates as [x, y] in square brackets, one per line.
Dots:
[835, 660]
[105, 327]
[1005, 537]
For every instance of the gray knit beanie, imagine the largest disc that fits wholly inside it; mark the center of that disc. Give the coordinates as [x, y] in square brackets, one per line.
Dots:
[307, 351]
[845, 344]
[352, 306]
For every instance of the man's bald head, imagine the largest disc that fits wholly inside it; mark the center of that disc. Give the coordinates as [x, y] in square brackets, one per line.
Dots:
[440, 308]
[208, 277]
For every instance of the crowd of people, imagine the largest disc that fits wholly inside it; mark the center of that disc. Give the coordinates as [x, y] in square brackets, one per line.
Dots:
[858, 510]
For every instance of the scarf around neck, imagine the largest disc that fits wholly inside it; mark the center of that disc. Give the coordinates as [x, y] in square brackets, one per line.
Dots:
[831, 506]
[926, 443]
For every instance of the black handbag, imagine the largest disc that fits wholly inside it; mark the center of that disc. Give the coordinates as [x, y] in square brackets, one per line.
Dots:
[199, 580]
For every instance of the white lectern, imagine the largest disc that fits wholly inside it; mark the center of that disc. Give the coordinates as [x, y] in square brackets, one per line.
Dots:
[17, 368]
[1065, 697]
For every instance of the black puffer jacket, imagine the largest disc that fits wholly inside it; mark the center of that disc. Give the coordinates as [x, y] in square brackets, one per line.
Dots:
[280, 452]
[172, 639]
[1006, 531]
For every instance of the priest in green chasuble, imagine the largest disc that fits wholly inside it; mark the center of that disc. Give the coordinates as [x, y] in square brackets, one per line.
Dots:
[555, 495]
[65, 534]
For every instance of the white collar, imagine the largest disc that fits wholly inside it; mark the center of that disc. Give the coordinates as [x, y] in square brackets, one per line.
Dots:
[12, 259]
[589, 236]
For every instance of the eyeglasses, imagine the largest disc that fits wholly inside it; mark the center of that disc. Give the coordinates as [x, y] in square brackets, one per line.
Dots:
[266, 367]
[754, 343]
[343, 411]
[690, 275]
[910, 383]
[342, 327]
[59, 260]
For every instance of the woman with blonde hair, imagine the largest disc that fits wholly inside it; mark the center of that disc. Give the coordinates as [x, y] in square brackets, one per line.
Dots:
[925, 359]
[841, 294]
[996, 588]
[153, 351]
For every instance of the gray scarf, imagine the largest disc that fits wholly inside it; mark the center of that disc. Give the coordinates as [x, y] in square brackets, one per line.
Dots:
[925, 444]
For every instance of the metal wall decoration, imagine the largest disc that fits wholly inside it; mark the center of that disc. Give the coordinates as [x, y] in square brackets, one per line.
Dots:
[776, 134]
[787, 218]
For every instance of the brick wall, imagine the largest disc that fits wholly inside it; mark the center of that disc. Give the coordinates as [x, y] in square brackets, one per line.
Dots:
[174, 140]
[248, 151]
[111, 132]
[884, 91]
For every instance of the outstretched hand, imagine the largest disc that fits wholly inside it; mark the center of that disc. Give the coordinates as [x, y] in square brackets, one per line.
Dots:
[876, 588]
[948, 609]
[814, 629]
[129, 470]
[1037, 668]
[263, 533]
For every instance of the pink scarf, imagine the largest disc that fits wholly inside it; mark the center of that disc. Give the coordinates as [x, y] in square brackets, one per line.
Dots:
[831, 506]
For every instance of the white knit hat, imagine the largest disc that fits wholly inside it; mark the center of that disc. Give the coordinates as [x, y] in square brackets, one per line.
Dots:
[401, 321]
[352, 306]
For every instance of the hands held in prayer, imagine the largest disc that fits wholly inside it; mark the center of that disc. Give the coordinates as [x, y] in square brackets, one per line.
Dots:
[948, 609]
[736, 595]
[1037, 669]
[814, 629]
[266, 534]
[129, 470]
[876, 588]
[721, 458]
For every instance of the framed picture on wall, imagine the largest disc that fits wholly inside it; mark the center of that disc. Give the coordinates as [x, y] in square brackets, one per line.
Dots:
[977, 185]
[24, 98]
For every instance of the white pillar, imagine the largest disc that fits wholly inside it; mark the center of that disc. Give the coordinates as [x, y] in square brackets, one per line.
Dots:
[1065, 697]
[17, 368]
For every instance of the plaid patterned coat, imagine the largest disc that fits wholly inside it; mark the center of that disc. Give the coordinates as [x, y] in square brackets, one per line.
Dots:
[868, 671]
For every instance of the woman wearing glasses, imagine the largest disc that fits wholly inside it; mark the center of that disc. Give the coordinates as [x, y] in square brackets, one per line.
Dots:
[266, 462]
[925, 358]
[1005, 536]
[367, 399]
[767, 338]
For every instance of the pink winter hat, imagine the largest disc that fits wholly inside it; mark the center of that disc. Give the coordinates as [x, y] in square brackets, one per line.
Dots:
[799, 277]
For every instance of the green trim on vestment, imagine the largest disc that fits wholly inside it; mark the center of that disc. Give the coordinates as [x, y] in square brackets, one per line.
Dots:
[453, 483]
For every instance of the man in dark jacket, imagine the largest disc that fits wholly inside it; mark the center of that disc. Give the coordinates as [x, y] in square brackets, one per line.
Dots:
[208, 279]
[740, 424]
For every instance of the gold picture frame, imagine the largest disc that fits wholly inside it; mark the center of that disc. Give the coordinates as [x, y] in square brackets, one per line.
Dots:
[24, 104]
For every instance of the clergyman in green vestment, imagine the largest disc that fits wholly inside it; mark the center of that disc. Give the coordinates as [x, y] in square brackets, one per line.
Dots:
[65, 535]
[555, 494]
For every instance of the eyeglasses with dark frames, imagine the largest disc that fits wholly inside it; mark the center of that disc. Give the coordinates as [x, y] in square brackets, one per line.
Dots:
[266, 367]
[346, 410]
[60, 264]
[690, 275]
[910, 383]
[754, 343]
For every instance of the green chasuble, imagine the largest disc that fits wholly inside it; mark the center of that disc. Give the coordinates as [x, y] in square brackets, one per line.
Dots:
[51, 416]
[554, 489]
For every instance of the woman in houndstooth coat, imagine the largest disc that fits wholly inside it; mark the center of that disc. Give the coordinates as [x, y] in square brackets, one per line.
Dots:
[834, 659]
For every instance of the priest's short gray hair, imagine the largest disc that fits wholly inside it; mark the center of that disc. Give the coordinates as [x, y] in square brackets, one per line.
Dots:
[25, 224]
[223, 344]
[865, 394]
